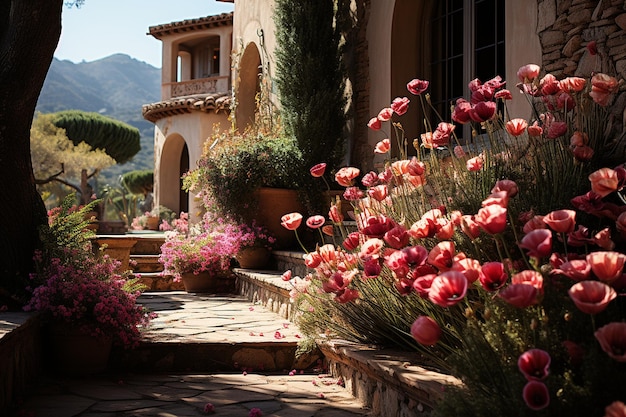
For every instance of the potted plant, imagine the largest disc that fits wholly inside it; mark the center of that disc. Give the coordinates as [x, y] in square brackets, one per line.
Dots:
[256, 245]
[200, 255]
[86, 304]
[153, 219]
[252, 177]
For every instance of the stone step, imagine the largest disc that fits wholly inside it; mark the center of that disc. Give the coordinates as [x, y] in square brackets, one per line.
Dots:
[145, 263]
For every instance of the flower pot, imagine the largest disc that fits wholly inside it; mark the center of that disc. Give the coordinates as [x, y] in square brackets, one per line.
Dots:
[74, 352]
[273, 204]
[204, 282]
[152, 222]
[254, 257]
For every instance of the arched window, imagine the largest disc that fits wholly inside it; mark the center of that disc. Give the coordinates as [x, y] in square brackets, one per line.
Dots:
[467, 42]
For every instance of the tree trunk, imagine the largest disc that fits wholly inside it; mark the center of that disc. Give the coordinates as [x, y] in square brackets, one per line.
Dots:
[29, 34]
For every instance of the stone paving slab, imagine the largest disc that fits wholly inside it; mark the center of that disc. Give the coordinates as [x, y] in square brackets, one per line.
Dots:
[184, 317]
[186, 395]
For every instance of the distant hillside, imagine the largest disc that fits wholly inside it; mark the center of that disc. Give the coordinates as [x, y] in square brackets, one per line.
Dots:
[115, 86]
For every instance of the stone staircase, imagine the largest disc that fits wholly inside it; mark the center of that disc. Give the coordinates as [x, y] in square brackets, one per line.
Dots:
[388, 382]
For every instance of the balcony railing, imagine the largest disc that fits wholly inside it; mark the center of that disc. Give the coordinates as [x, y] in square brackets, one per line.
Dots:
[197, 86]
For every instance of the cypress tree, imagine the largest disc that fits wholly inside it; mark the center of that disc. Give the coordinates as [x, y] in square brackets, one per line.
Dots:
[310, 78]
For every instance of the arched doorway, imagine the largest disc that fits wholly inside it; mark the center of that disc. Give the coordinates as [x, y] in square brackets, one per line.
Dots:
[248, 86]
[174, 162]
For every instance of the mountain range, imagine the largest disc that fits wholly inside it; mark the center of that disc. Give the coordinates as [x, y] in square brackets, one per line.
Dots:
[115, 86]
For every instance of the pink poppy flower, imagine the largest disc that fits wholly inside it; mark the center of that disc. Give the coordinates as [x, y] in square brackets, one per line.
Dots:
[377, 226]
[602, 87]
[422, 284]
[516, 126]
[444, 229]
[427, 140]
[352, 241]
[335, 214]
[500, 198]
[529, 277]
[328, 230]
[378, 193]
[370, 179]
[591, 297]
[383, 146]
[603, 239]
[535, 222]
[538, 243]
[400, 105]
[461, 112]
[415, 167]
[519, 295]
[318, 170]
[482, 111]
[370, 248]
[417, 87]
[557, 129]
[286, 276]
[561, 221]
[421, 229]
[315, 222]
[469, 267]
[291, 221]
[549, 85]
[534, 130]
[474, 164]
[385, 114]
[448, 288]
[583, 153]
[576, 269]
[534, 364]
[346, 175]
[612, 338]
[492, 276]
[441, 135]
[470, 227]
[506, 185]
[374, 123]
[426, 331]
[442, 255]
[459, 152]
[527, 73]
[492, 219]
[536, 395]
[397, 237]
[312, 260]
[606, 265]
[604, 181]
[615, 409]
[346, 295]
[579, 138]
[503, 94]
[572, 84]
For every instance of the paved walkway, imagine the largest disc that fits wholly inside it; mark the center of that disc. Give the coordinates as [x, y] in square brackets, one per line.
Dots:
[198, 318]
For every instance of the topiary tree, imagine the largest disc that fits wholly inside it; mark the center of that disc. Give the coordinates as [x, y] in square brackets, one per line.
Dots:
[139, 181]
[119, 140]
[310, 77]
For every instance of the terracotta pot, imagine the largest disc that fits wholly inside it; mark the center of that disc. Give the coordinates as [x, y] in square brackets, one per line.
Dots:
[152, 223]
[204, 282]
[77, 353]
[273, 204]
[254, 257]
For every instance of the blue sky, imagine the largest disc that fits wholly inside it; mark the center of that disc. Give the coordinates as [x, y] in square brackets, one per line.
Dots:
[104, 27]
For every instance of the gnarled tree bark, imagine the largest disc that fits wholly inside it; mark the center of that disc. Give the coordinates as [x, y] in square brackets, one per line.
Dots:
[29, 34]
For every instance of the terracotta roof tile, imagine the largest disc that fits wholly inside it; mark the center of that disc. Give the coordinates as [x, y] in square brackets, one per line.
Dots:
[187, 104]
[187, 25]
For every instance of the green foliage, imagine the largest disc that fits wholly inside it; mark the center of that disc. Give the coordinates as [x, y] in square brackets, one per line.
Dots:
[118, 139]
[138, 182]
[229, 172]
[310, 78]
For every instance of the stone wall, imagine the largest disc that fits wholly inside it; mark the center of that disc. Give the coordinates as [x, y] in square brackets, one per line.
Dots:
[567, 31]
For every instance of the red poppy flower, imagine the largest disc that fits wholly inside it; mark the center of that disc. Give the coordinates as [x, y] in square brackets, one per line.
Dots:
[538, 243]
[315, 222]
[604, 181]
[426, 331]
[520, 295]
[383, 146]
[346, 175]
[318, 170]
[291, 221]
[612, 338]
[400, 105]
[561, 221]
[536, 395]
[534, 364]
[492, 219]
[448, 288]
[374, 123]
[516, 126]
[527, 73]
[417, 87]
[492, 276]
